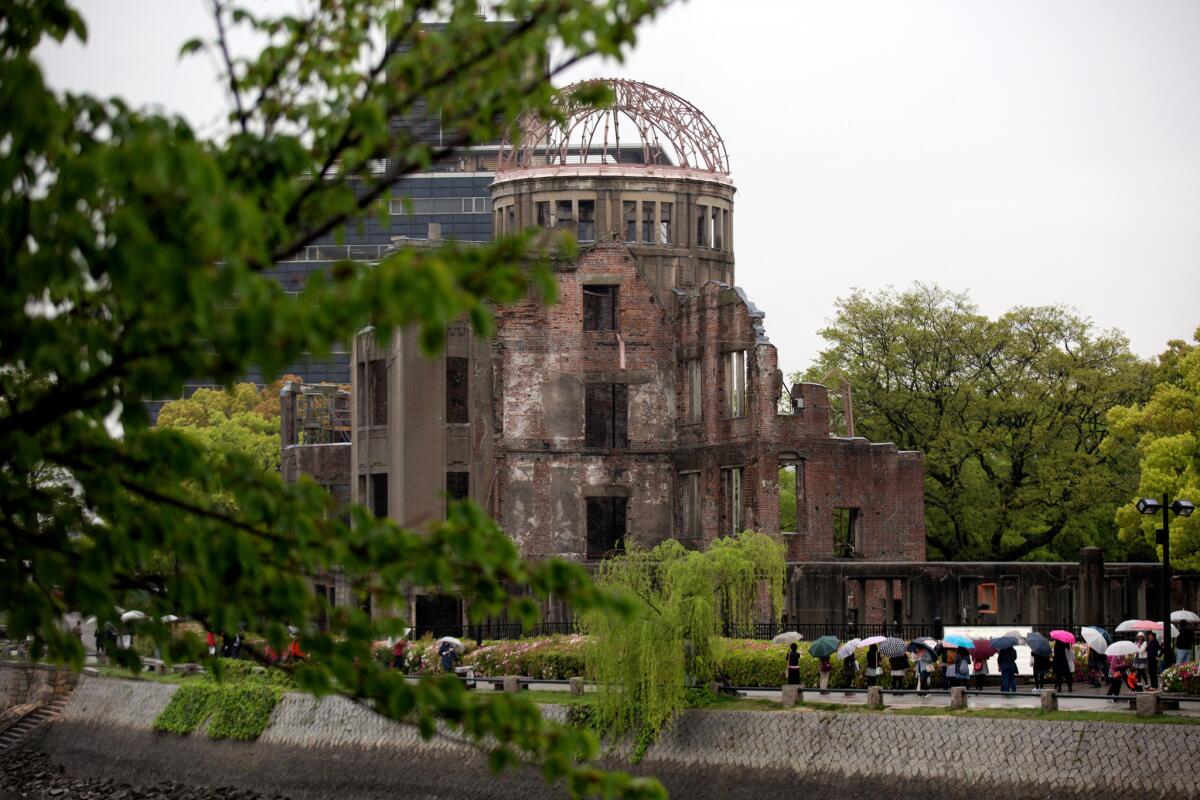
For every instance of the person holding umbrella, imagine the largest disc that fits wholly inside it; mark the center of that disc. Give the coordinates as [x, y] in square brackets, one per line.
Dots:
[793, 665]
[1062, 667]
[822, 649]
[872, 665]
[849, 663]
[1153, 651]
[962, 667]
[1006, 659]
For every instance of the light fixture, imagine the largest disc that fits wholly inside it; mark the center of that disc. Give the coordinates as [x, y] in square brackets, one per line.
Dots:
[1183, 508]
[1148, 505]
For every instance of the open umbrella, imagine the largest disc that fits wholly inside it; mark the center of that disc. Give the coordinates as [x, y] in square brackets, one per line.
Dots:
[919, 647]
[983, 649]
[1184, 616]
[455, 643]
[133, 616]
[1038, 645]
[891, 648]
[823, 647]
[959, 640]
[1095, 640]
[1128, 625]
[848, 647]
[787, 637]
[168, 618]
[1108, 637]
[870, 640]
[1004, 642]
[1151, 625]
[1066, 637]
[1122, 649]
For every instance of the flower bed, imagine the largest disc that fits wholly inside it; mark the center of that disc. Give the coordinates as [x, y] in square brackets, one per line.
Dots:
[1182, 678]
[551, 658]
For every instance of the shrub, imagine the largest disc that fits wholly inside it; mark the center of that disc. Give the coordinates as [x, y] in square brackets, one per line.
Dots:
[241, 711]
[238, 706]
[550, 658]
[1182, 678]
[189, 706]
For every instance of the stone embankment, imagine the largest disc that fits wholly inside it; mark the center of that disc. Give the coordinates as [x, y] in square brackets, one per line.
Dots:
[336, 749]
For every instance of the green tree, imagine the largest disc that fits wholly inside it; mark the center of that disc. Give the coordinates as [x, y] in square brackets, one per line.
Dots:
[136, 254]
[683, 598]
[1009, 413]
[1164, 435]
[244, 420]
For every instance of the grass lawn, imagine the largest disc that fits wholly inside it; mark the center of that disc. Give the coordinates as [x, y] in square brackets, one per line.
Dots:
[120, 672]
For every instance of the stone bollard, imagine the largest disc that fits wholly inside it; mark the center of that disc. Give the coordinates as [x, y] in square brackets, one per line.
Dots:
[958, 697]
[789, 695]
[576, 687]
[874, 697]
[714, 688]
[1049, 700]
[512, 683]
[1148, 704]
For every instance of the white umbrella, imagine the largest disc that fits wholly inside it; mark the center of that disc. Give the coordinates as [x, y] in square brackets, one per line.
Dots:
[1185, 616]
[1122, 648]
[1095, 640]
[1128, 625]
[870, 640]
[455, 643]
[787, 638]
[132, 616]
[168, 618]
[847, 648]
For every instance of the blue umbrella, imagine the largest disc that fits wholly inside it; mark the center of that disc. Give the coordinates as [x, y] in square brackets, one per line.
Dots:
[1002, 642]
[1039, 645]
[959, 640]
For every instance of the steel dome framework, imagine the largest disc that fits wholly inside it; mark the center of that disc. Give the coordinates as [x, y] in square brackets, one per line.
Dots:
[670, 131]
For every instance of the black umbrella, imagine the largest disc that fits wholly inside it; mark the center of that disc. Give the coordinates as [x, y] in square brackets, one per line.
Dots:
[919, 646]
[1038, 645]
[891, 647]
[1002, 642]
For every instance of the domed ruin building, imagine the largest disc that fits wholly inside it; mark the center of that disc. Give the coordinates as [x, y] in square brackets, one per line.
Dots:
[647, 403]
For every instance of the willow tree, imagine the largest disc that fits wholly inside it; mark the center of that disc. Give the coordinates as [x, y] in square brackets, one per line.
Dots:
[682, 598]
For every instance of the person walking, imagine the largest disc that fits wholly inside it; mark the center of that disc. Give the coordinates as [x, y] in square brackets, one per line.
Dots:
[793, 666]
[1139, 659]
[824, 669]
[1153, 651]
[872, 665]
[1041, 665]
[962, 668]
[1184, 643]
[897, 669]
[979, 666]
[849, 668]
[1006, 659]
[398, 654]
[447, 653]
[78, 631]
[1116, 676]
[1062, 667]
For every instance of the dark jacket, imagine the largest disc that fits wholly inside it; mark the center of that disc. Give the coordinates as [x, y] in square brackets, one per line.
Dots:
[898, 662]
[1153, 650]
[1041, 663]
[872, 657]
[1060, 657]
[1007, 658]
[1185, 639]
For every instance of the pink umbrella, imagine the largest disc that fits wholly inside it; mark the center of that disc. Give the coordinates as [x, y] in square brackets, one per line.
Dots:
[1066, 637]
[870, 640]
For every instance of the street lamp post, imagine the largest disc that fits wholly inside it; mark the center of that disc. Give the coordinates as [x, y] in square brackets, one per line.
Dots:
[1181, 508]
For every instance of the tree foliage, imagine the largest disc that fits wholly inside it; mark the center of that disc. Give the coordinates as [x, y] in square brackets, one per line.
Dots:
[682, 600]
[243, 419]
[1010, 414]
[136, 254]
[1164, 435]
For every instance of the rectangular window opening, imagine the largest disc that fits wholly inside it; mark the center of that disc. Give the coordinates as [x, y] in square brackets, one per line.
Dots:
[695, 388]
[648, 210]
[544, 218]
[847, 542]
[717, 238]
[606, 415]
[664, 223]
[735, 383]
[377, 390]
[789, 474]
[379, 494]
[605, 526]
[629, 211]
[701, 226]
[458, 486]
[986, 597]
[731, 483]
[563, 216]
[600, 310]
[690, 510]
[587, 221]
[457, 405]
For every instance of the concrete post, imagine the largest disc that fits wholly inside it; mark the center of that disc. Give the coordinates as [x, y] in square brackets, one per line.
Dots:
[512, 683]
[1148, 704]
[714, 688]
[874, 697]
[576, 687]
[789, 696]
[1049, 701]
[958, 697]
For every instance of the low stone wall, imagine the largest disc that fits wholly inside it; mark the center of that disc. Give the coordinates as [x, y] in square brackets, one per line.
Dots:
[28, 682]
[335, 748]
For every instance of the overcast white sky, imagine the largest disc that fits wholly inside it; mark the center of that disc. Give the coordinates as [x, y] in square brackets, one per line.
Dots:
[1029, 152]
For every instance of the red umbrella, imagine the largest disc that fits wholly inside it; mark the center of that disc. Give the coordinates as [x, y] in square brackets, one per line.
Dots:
[1066, 637]
[983, 649]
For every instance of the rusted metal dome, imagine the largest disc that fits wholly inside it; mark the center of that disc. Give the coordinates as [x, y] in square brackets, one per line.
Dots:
[644, 125]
